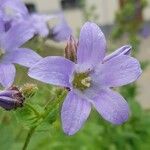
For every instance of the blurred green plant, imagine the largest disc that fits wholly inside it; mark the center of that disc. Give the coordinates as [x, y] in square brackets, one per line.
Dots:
[129, 20]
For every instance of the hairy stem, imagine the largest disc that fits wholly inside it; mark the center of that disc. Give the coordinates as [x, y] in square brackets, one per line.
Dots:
[49, 107]
[28, 138]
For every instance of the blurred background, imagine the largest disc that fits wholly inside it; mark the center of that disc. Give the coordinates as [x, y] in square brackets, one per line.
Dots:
[123, 22]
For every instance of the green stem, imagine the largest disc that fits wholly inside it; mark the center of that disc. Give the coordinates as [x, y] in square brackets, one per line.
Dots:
[47, 110]
[28, 138]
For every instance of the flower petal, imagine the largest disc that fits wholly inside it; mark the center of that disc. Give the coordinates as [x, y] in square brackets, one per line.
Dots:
[17, 36]
[112, 106]
[117, 71]
[40, 23]
[53, 70]
[7, 74]
[74, 113]
[2, 28]
[16, 5]
[124, 50]
[92, 44]
[23, 56]
[62, 31]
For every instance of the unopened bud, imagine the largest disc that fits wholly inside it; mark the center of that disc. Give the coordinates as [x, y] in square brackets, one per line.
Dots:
[29, 90]
[71, 50]
[11, 98]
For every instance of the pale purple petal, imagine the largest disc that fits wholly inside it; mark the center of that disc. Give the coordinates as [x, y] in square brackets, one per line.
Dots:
[92, 44]
[53, 70]
[16, 5]
[22, 56]
[124, 50]
[7, 74]
[117, 71]
[2, 28]
[40, 23]
[74, 113]
[112, 106]
[61, 32]
[17, 36]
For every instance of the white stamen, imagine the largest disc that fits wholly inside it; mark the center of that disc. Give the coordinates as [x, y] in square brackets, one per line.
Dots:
[2, 52]
[86, 81]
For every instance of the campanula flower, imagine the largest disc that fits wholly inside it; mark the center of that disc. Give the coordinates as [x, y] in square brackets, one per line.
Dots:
[11, 98]
[40, 23]
[11, 51]
[60, 32]
[90, 79]
[12, 12]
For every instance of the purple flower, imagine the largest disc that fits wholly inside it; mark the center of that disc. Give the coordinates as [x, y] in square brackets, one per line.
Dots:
[11, 98]
[40, 23]
[12, 12]
[90, 79]
[11, 51]
[61, 32]
[11, 9]
[145, 31]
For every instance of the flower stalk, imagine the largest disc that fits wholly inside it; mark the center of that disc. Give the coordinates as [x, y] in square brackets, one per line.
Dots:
[49, 108]
[28, 138]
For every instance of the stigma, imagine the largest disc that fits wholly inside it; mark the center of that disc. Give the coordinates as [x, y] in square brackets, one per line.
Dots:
[81, 81]
[1, 52]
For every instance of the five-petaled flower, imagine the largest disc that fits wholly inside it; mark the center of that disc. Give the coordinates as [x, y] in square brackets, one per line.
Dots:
[90, 79]
[11, 51]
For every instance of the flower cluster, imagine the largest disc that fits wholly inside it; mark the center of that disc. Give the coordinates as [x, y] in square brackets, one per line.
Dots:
[87, 73]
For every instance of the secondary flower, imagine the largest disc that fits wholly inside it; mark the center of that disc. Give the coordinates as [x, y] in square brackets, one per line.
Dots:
[11, 51]
[11, 98]
[60, 32]
[12, 12]
[90, 79]
[39, 22]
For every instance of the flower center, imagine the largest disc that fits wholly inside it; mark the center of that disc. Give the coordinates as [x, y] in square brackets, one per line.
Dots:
[81, 81]
[1, 53]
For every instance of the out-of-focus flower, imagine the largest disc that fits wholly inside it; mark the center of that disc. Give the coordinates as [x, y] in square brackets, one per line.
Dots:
[90, 79]
[60, 32]
[145, 31]
[11, 51]
[15, 11]
[40, 23]
[13, 8]
[11, 98]
[12, 12]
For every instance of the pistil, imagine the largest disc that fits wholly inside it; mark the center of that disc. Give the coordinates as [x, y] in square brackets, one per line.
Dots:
[81, 81]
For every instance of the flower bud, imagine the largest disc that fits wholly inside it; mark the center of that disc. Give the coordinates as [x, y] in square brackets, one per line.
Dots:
[11, 98]
[29, 90]
[71, 50]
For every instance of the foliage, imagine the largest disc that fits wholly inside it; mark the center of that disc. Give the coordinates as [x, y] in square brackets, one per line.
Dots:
[129, 21]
